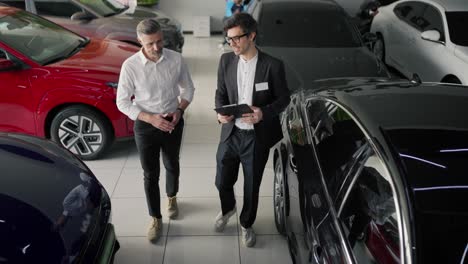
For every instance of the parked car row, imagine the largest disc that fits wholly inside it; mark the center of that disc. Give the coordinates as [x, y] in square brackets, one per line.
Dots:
[373, 171]
[107, 19]
[424, 39]
[315, 39]
[59, 85]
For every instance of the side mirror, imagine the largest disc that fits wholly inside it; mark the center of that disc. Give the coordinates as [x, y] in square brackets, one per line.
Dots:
[431, 35]
[81, 16]
[6, 65]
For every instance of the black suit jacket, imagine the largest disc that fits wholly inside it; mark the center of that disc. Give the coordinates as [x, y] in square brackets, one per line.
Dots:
[271, 101]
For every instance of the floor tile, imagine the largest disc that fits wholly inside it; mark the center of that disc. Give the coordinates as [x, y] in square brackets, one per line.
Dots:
[130, 217]
[265, 221]
[197, 182]
[196, 218]
[198, 155]
[268, 249]
[139, 250]
[202, 249]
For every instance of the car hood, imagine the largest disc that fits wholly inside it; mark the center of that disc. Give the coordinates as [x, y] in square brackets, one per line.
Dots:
[135, 15]
[462, 53]
[304, 65]
[40, 183]
[99, 55]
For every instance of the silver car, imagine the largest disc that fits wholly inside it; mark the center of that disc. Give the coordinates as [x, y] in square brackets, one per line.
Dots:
[425, 39]
[103, 19]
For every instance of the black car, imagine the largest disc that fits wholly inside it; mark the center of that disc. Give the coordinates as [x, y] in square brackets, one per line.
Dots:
[52, 207]
[374, 171]
[315, 38]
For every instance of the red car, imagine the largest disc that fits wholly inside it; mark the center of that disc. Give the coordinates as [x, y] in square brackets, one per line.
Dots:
[60, 85]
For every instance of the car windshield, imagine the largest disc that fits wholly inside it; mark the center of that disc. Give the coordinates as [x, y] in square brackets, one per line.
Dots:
[294, 25]
[37, 38]
[457, 22]
[104, 8]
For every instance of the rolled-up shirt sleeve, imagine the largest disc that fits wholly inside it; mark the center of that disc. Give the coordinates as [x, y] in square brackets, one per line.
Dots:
[125, 91]
[185, 84]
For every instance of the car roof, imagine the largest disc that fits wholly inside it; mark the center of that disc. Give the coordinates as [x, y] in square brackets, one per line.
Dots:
[398, 103]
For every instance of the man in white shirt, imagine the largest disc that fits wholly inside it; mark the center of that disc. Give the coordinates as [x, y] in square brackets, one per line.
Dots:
[161, 87]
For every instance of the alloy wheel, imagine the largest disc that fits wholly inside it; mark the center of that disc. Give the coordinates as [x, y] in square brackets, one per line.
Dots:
[81, 135]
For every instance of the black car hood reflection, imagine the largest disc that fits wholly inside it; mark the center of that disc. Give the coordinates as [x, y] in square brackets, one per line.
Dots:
[41, 186]
[304, 65]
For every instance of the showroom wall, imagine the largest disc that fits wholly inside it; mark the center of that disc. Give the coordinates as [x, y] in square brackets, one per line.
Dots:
[186, 10]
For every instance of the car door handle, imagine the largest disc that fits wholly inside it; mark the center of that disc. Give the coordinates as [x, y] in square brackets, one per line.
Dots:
[292, 162]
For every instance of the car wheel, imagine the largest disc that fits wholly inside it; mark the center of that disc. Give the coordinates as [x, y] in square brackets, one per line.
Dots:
[379, 49]
[279, 198]
[83, 131]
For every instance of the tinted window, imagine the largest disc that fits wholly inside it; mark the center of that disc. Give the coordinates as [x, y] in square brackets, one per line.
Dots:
[433, 21]
[411, 13]
[291, 25]
[368, 215]
[457, 22]
[56, 9]
[338, 141]
[37, 38]
[295, 127]
[18, 4]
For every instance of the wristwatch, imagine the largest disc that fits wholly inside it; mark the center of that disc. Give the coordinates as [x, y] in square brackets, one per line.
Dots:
[181, 111]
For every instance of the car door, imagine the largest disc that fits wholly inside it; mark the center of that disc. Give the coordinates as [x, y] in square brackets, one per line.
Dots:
[61, 11]
[16, 102]
[429, 55]
[295, 170]
[367, 213]
[339, 146]
[403, 35]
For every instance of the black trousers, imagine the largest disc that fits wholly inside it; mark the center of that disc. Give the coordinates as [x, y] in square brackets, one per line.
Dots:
[240, 148]
[150, 141]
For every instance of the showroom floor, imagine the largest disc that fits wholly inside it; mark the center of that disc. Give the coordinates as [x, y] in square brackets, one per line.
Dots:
[190, 238]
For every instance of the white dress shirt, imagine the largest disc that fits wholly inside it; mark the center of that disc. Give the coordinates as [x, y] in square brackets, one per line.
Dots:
[155, 86]
[245, 84]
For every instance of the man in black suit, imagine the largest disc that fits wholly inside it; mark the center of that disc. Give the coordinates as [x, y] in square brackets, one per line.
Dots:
[246, 76]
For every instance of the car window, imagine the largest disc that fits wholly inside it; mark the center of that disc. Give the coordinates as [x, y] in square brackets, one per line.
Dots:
[16, 3]
[290, 25]
[368, 215]
[56, 9]
[411, 13]
[38, 38]
[295, 126]
[457, 22]
[433, 21]
[338, 141]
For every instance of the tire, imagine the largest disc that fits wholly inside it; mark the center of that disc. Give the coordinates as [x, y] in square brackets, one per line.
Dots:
[379, 49]
[279, 198]
[83, 131]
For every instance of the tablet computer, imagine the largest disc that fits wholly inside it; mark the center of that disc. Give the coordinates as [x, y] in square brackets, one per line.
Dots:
[235, 109]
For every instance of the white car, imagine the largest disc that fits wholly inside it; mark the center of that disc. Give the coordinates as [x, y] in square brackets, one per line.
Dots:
[425, 39]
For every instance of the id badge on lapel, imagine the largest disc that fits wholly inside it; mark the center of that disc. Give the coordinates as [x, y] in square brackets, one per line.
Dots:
[261, 86]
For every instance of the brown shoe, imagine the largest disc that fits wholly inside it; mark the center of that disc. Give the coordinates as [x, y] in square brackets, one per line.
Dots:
[172, 209]
[155, 229]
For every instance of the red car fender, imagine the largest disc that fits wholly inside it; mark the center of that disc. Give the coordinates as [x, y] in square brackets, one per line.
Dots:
[56, 99]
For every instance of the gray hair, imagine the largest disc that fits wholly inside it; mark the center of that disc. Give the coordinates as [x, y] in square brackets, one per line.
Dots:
[147, 27]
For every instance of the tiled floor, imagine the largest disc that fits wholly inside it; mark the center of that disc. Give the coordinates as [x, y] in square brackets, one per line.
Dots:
[190, 238]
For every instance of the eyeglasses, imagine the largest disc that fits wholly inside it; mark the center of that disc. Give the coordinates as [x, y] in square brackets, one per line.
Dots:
[236, 39]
